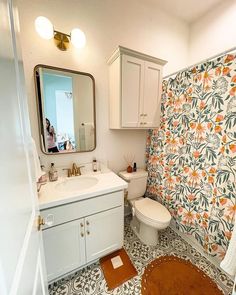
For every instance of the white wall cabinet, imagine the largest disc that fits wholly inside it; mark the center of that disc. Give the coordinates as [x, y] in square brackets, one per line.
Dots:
[79, 233]
[135, 89]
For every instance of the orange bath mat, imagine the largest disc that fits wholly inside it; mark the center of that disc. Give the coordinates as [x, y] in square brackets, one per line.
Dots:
[175, 276]
[117, 268]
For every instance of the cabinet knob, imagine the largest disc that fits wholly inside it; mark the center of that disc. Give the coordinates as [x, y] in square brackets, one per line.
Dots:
[144, 123]
[88, 232]
[141, 115]
[82, 235]
[87, 222]
[49, 220]
[81, 224]
[145, 115]
[141, 123]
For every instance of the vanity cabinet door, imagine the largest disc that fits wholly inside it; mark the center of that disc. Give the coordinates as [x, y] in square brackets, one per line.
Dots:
[64, 248]
[104, 233]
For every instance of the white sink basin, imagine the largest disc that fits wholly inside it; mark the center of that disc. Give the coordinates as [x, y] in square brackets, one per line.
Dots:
[76, 184]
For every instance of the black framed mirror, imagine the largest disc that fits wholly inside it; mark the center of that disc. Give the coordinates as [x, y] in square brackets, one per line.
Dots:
[66, 110]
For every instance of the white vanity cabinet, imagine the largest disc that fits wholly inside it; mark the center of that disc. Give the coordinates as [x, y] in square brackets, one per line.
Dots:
[135, 82]
[78, 233]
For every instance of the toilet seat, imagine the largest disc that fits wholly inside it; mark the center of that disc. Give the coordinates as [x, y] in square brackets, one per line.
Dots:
[152, 213]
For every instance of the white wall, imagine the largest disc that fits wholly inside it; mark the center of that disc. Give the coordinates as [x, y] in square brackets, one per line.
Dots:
[213, 33]
[107, 24]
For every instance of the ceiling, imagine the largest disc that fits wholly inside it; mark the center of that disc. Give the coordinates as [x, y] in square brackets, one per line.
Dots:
[188, 10]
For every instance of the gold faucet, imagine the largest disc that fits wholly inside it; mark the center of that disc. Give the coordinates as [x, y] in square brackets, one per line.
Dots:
[74, 171]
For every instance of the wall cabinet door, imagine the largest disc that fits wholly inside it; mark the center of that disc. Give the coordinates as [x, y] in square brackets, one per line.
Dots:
[64, 248]
[104, 233]
[141, 92]
[132, 90]
[151, 104]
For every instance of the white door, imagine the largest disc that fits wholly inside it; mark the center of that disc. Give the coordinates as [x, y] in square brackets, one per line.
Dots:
[104, 233]
[21, 268]
[132, 90]
[151, 104]
[64, 246]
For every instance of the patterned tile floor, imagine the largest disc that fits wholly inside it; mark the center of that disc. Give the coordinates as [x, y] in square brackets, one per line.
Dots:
[90, 280]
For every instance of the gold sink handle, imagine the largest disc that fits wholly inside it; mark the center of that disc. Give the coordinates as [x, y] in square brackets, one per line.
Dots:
[69, 172]
[78, 170]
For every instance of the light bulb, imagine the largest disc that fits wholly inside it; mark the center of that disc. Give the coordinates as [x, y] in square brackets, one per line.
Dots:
[78, 38]
[44, 27]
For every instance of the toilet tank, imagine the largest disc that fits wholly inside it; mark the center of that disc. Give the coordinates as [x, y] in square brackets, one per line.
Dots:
[137, 182]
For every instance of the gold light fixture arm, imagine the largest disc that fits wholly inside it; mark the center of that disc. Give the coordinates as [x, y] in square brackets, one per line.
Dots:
[61, 40]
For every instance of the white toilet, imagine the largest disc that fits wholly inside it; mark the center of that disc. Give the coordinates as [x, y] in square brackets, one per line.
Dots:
[149, 216]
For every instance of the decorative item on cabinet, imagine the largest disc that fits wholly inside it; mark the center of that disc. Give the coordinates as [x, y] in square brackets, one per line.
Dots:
[129, 158]
[129, 169]
[135, 81]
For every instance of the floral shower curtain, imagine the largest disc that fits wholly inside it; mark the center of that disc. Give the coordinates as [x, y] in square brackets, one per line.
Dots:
[191, 158]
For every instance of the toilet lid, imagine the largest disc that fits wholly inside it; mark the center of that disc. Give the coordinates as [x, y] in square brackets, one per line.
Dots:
[153, 210]
[140, 173]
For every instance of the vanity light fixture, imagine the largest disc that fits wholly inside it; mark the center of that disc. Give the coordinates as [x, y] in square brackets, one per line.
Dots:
[45, 30]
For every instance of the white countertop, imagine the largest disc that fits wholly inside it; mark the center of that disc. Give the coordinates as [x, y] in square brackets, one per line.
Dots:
[108, 182]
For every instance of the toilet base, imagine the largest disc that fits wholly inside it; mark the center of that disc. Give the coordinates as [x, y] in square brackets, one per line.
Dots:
[147, 234]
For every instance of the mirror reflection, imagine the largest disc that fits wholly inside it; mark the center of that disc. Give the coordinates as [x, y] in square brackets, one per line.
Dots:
[66, 110]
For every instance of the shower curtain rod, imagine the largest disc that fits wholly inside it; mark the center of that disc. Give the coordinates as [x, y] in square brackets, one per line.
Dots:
[205, 60]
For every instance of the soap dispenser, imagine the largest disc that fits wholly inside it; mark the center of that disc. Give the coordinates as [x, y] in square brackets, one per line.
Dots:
[53, 176]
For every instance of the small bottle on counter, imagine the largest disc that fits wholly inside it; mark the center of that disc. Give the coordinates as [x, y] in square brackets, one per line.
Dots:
[135, 167]
[53, 176]
[95, 165]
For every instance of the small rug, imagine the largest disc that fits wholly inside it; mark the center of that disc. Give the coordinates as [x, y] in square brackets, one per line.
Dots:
[175, 276]
[117, 268]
